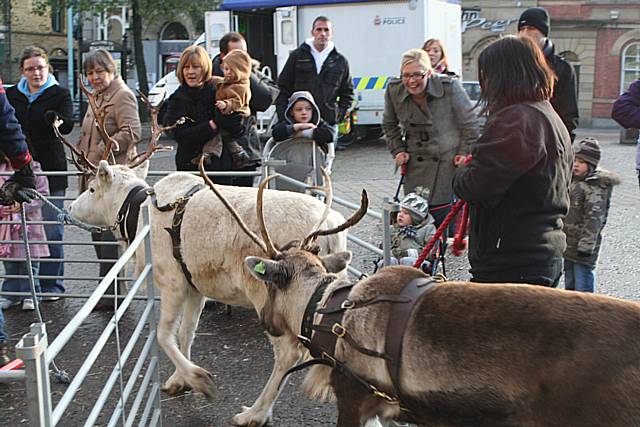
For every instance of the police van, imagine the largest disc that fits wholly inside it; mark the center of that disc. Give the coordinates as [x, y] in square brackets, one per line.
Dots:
[372, 35]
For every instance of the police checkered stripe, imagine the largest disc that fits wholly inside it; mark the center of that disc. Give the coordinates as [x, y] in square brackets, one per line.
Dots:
[371, 82]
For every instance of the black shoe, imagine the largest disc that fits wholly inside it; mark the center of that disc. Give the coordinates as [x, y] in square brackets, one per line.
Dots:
[340, 147]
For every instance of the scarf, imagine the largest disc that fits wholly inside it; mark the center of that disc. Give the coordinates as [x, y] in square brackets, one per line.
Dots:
[23, 87]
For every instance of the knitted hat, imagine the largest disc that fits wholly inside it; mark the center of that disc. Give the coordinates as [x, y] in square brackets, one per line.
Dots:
[588, 150]
[416, 204]
[536, 17]
[240, 62]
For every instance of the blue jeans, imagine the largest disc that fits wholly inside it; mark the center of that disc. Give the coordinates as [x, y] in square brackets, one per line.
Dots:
[3, 334]
[55, 232]
[19, 285]
[579, 277]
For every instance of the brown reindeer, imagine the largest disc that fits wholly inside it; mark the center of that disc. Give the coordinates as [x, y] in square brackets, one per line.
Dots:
[473, 355]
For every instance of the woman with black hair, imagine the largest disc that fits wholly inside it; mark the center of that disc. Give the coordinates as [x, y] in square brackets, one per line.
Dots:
[517, 181]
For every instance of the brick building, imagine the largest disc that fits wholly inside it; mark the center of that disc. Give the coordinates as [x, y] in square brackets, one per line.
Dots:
[601, 39]
[21, 27]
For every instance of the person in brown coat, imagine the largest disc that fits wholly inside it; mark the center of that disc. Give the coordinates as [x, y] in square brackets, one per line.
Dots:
[122, 124]
[232, 97]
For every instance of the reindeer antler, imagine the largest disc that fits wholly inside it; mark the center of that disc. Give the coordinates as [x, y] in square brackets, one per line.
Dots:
[328, 191]
[100, 114]
[78, 157]
[353, 220]
[156, 132]
[271, 249]
[230, 208]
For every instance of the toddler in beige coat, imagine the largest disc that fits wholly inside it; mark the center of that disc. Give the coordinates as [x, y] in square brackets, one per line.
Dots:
[232, 97]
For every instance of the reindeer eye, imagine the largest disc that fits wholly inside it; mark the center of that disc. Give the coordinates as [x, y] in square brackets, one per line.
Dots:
[92, 190]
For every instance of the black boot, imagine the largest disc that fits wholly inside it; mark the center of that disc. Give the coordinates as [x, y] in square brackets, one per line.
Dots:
[4, 353]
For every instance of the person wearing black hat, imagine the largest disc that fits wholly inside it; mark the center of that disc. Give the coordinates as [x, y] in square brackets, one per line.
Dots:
[535, 23]
[590, 195]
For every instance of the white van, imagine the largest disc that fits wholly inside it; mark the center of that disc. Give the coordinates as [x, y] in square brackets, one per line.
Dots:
[371, 34]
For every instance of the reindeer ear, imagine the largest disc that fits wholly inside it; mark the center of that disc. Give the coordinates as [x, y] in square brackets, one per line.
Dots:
[141, 170]
[335, 263]
[104, 173]
[264, 269]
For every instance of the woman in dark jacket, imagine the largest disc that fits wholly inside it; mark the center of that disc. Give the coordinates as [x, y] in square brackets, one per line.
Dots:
[517, 182]
[38, 100]
[195, 100]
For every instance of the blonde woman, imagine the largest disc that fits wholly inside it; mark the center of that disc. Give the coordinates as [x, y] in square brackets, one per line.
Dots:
[428, 122]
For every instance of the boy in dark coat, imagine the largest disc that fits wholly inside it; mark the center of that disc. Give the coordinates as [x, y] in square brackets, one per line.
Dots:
[590, 196]
[302, 126]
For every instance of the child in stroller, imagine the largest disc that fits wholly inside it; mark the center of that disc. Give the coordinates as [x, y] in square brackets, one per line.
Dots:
[302, 139]
[411, 230]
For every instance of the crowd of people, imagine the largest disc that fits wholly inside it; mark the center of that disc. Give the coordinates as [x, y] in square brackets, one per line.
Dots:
[538, 202]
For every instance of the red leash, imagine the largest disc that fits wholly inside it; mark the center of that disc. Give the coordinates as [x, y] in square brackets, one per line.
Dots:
[458, 241]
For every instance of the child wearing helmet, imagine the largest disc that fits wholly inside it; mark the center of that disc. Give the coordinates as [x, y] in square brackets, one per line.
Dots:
[590, 195]
[413, 229]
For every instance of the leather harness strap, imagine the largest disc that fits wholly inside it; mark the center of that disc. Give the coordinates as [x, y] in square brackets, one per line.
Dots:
[130, 211]
[397, 325]
[321, 339]
[176, 225]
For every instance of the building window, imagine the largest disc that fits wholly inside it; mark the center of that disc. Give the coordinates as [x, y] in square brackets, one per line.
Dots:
[57, 20]
[174, 31]
[630, 65]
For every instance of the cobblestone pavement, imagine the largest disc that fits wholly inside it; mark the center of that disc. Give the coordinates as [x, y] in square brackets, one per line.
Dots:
[234, 348]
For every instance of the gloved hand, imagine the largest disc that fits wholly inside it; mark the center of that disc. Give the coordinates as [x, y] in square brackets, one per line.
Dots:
[583, 254]
[232, 123]
[50, 117]
[18, 187]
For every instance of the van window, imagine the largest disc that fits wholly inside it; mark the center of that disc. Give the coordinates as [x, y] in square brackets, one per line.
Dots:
[287, 31]
[217, 31]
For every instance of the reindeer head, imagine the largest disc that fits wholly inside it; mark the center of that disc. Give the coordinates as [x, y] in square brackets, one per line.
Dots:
[99, 204]
[291, 273]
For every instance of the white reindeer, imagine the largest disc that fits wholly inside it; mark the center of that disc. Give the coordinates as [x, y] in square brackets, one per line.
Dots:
[213, 248]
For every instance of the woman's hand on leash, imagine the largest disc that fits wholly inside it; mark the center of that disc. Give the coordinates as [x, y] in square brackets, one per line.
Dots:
[401, 158]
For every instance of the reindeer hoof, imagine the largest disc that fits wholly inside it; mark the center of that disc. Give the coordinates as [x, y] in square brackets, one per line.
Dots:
[175, 389]
[248, 418]
[202, 382]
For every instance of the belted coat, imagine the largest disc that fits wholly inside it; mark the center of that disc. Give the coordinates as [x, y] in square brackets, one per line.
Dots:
[433, 134]
[122, 124]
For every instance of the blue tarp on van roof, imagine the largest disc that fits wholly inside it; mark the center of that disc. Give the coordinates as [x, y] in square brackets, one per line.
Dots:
[259, 4]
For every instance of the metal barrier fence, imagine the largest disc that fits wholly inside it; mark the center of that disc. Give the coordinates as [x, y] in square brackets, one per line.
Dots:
[38, 354]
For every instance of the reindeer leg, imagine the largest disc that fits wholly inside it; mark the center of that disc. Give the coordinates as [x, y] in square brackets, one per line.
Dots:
[285, 349]
[190, 318]
[172, 304]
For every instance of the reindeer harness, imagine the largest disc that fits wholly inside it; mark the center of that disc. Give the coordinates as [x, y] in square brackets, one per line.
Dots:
[320, 339]
[129, 212]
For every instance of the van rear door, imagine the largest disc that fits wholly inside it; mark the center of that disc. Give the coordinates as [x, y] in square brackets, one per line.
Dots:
[216, 25]
[285, 33]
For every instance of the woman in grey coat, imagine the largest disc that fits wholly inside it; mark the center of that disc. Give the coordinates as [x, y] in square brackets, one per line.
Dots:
[429, 124]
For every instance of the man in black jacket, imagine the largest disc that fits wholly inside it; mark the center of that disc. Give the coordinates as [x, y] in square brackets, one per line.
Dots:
[317, 67]
[535, 23]
[263, 93]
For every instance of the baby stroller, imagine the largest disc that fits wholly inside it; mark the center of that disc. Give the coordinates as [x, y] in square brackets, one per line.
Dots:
[416, 204]
[303, 157]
